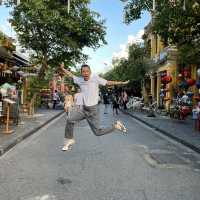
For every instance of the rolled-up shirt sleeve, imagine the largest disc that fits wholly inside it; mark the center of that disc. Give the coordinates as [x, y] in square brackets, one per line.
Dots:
[101, 81]
[76, 80]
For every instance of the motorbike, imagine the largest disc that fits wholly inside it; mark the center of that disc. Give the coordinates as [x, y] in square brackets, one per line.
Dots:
[180, 109]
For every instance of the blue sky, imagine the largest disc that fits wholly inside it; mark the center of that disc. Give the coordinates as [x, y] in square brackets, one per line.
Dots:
[118, 33]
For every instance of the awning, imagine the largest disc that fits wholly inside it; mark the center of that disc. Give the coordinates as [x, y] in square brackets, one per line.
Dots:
[4, 53]
[20, 61]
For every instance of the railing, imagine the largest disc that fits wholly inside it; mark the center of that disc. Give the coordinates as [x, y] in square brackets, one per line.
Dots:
[169, 52]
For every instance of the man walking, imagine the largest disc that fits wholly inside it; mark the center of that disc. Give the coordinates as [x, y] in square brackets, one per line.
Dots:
[89, 85]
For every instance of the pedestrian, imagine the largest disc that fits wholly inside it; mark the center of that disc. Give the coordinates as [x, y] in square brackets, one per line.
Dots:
[124, 99]
[68, 103]
[115, 105]
[89, 85]
[106, 103]
[55, 98]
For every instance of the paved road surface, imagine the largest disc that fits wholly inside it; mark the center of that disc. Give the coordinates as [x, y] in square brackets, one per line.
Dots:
[140, 166]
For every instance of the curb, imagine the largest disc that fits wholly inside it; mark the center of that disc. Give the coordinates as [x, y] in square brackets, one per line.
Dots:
[17, 140]
[177, 139]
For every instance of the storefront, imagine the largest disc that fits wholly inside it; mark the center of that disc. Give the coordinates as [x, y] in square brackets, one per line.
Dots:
[12, 86]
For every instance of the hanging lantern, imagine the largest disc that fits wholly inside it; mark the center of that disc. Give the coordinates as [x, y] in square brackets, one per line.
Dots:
[198, 84]
[190, 94]
[179, 77]
[186, 72]
[162, 90]
[183, 85]
[168, 79]
[198, 72]
[180, 85]
[163, 80]
[191, 82]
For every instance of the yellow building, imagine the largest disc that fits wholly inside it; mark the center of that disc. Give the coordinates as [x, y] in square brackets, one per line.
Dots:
[165, 64]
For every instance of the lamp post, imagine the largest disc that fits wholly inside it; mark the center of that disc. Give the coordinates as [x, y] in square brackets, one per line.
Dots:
[154, 5]
[68, 6]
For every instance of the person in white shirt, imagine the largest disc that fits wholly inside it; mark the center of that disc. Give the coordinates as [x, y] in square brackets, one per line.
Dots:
[78, 99]
[89, 85]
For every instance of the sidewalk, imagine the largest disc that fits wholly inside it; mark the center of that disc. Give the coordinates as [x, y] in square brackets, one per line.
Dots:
[181, 131]
[30, 125]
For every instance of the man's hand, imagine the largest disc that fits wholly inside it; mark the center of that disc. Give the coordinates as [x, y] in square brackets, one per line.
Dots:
[117, 82]
[64, 71]
[126, 82]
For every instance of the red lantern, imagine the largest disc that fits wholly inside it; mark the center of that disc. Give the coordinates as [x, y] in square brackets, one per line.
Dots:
[168, 79]
[191, 82]
[163, 80]
[186, 73]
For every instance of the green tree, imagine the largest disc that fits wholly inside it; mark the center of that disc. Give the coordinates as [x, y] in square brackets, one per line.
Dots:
[176, 21]
[56, 35]
[134, 8]
[133, 68]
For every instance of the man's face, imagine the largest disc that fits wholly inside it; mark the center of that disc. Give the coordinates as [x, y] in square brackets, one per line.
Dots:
[85, 72]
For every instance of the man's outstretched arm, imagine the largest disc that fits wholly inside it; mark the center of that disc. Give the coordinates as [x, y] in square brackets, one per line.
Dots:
[65, 72]
[117, 82]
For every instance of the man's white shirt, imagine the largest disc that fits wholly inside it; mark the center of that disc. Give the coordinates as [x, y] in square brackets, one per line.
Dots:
[78, 99]
[90, 88]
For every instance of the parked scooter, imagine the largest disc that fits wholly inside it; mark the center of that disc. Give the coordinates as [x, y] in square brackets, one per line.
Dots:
[181, 108]
[135, 103]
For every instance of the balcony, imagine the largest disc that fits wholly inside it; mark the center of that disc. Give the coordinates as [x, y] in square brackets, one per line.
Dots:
[168, 53]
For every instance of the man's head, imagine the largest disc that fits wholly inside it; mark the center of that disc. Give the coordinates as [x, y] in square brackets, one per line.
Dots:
[85, 72]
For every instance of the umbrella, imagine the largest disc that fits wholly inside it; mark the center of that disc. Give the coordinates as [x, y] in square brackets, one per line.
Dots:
[7, 86]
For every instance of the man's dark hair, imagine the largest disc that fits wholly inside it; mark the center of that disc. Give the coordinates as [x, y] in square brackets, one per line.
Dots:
[85, 65]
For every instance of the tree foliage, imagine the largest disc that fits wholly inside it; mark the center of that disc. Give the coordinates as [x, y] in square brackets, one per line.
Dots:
[133, 68]
[134, 8]
[176, 21]
[55, 35]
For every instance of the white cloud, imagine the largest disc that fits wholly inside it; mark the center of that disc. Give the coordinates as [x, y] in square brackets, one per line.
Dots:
[132, 39]
[7, 29]
[107, 66]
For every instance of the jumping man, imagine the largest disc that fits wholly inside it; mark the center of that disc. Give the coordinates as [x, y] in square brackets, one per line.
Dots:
[89, 85]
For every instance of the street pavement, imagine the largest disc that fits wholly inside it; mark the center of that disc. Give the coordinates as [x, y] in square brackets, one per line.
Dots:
[144, 165]
[28, 125]
[180, 130]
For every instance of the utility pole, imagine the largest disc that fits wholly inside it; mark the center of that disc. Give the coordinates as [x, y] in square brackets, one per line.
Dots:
[68, 6]
[154, 5]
